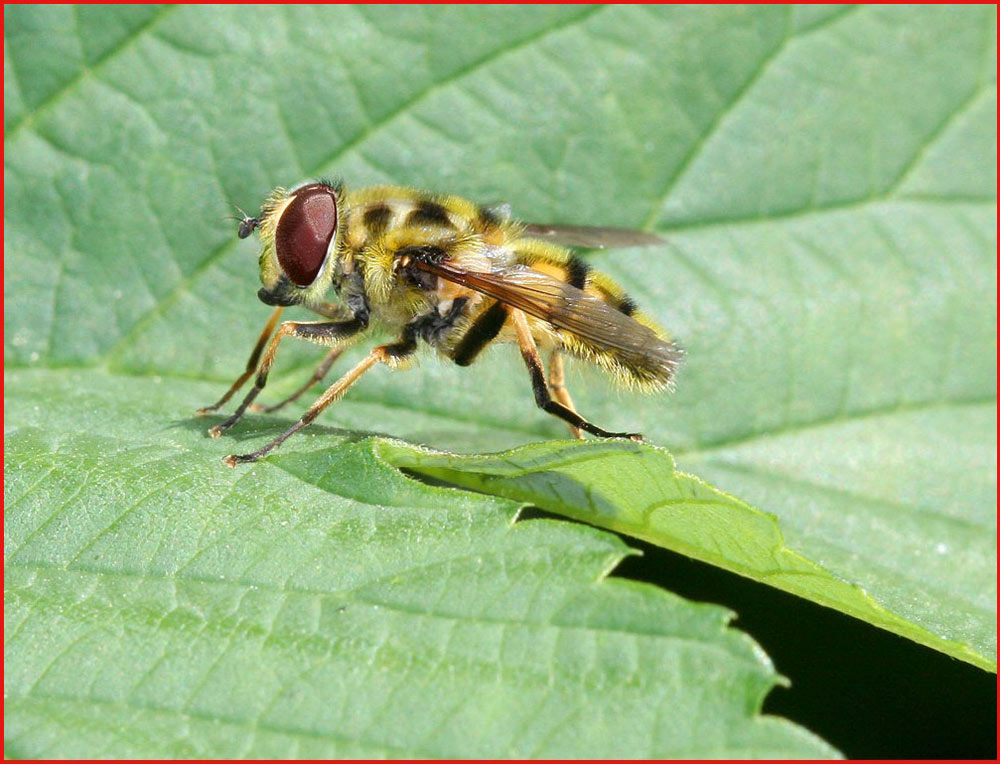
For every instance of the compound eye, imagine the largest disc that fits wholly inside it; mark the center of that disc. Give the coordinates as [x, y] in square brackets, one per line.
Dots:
[304, 231]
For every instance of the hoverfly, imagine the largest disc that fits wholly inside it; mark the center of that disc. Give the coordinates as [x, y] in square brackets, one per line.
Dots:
[449, 273]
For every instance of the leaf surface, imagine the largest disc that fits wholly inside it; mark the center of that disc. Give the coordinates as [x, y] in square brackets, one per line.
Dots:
[158, 604]
[825, 178]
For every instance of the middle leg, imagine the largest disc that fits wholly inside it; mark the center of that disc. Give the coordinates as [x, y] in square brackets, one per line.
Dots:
[322, 333]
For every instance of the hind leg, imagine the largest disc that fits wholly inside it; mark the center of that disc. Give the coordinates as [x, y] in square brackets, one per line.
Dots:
[557, 386]
[543, 398]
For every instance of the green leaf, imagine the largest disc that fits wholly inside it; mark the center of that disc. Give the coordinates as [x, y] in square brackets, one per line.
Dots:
[158, 604]
[927, 601]
[825, 177]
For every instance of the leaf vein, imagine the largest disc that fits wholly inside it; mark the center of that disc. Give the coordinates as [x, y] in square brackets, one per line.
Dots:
[31, 115]
[710, 130]
[709, 447]
[933, 137]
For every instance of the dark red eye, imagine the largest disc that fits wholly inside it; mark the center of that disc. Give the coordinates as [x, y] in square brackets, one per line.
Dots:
[304, 232]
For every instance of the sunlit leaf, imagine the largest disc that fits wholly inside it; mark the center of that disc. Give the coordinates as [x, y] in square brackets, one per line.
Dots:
[825, 178]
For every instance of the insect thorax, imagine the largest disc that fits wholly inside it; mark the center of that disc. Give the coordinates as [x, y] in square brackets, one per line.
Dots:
[387, 226]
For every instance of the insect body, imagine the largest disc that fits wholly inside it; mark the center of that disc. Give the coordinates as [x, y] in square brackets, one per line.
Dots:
[443, 271]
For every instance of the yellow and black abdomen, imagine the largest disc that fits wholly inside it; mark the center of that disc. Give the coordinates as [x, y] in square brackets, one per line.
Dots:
[649, 363]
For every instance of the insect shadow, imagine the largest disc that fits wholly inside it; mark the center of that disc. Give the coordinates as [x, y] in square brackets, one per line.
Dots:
[269, 426]
[437, 437]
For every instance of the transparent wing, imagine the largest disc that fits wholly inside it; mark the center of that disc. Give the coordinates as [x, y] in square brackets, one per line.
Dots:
[592, 237]
[585, 236]
[567, 308]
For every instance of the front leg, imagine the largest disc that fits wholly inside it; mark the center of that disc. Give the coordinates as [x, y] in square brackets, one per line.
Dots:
[328, 360]
[392, 355]
[322, 333]
[251, 363]
[325, 309]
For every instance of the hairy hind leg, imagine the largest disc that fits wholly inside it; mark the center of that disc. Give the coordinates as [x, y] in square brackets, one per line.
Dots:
[529, 351]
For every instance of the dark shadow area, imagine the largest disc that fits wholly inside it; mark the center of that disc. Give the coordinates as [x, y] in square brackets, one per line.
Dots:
[869, 693]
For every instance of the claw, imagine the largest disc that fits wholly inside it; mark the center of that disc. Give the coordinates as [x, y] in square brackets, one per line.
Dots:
[233, 459]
